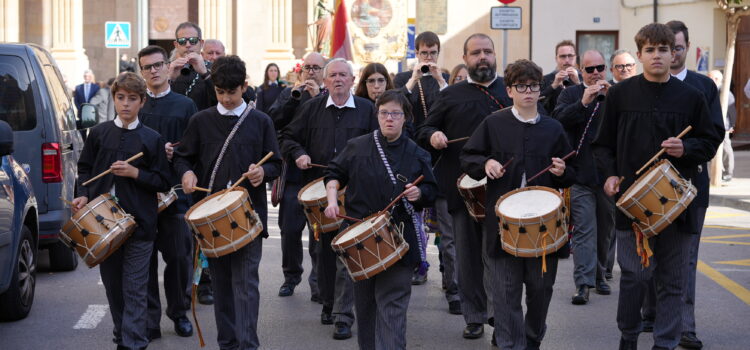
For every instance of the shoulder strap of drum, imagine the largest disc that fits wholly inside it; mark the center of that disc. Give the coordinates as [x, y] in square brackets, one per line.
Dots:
[236, 127]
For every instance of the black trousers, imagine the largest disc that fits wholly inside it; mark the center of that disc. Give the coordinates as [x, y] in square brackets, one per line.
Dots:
[292, 223]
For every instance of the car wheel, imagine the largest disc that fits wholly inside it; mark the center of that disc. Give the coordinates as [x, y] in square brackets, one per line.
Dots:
[16, 302]
[62, 258]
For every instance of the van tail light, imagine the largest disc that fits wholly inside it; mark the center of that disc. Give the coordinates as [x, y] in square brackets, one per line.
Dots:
[51, 163]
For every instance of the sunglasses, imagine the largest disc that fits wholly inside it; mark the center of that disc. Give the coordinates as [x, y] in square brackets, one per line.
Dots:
[193, 40]
[600, 68]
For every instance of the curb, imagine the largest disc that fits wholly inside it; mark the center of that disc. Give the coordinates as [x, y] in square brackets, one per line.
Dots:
[726, 201]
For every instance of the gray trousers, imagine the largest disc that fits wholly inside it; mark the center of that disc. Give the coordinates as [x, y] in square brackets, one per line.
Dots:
[611, 251]
[447, 249]
[688, 310]
[292, 223]
[234, 278]
[667, 268]
[125, 278]
[728, 155]
[334, 283]
[175, 243]
[381, 303]
[472, 267]
[509, 276]
[343, 301]
[592, 212]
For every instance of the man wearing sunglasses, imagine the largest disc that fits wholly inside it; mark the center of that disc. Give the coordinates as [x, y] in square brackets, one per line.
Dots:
[622, 64]
[189, 73]
[564, 75]
[579, 109]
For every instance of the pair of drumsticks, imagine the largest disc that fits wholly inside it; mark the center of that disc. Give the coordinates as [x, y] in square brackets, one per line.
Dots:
[387, 207]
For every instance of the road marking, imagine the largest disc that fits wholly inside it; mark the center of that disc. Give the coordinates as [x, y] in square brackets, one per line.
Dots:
[744, 262]
[741, 235]
[723, 215]
[91, 318]
[723, 227]
[732, 270]
[724, 242]
[733, 287]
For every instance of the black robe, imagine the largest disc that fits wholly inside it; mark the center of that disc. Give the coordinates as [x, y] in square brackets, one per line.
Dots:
[369, 188]
[108, 143]
[571, 113]
[202, 93]
[550, 94]
[457, 112]
[501, 136]
[638, 117]
[200, 146]
[431, 89]
[322, 132]
[169, 115]
[266, 96]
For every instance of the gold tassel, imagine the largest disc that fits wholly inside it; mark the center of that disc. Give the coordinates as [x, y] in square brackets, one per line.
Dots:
[316, 231]
[642, 247]
[544, 252]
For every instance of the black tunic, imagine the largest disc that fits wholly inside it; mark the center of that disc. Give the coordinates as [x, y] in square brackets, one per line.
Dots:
[169, 116]
[202, 92]
[638, 117]
[322, 132]
[430, 87]
[369, 188]
[266, 96]
[457, 112]
[501, 136]
[571, 113]
[108, 143]
[550, 94]
[200, 146]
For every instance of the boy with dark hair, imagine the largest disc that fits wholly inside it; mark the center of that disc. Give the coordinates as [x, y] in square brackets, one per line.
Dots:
[168, 113]
[643, 115]
[135, 184]
[534, 141]
[199, 160]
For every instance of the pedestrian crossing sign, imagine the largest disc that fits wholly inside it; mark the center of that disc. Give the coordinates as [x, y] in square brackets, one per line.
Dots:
[117, 34]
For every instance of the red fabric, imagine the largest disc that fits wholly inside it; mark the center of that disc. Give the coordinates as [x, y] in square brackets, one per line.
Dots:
[340, 42]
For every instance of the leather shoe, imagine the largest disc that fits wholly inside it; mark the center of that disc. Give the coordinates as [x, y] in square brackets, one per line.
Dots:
[603, 288]
[690, 341]
[342, 331]
[418, 279]
[647, 326]
[326, 318]
[473, 331]
[582, 296]
[286, 290]
[205, 295]
[153, 333]
[315, 299]
[183, 327]
[454, 307]
[628, 344]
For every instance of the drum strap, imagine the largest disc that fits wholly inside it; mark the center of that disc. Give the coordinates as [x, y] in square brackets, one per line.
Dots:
[249, 108]
[415, 219]
[586, 129]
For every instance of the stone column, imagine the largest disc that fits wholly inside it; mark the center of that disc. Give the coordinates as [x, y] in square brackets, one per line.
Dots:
[67, 39]
[9, 24]
[280, 47]
[216, 19]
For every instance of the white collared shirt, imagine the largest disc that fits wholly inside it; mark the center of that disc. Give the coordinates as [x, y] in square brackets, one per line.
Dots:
[681, 75]
[159, 95]
[237, 111]
[349, 102]
[520, 119]
[468, 78]
[131, 126]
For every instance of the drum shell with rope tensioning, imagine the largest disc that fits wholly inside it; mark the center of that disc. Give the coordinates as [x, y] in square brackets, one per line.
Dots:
[167, 198]
[474, 194]
[314, 202]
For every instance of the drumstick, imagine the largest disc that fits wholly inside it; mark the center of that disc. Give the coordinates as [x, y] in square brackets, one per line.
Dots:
[348, 218]
[140, 154]
[69, 203]
[572, 153]
[662, 150]
[458, 140]
[196, 188]
[318, 165]
[619, 181]
[508, 162]
[416, 182]
[230, 189]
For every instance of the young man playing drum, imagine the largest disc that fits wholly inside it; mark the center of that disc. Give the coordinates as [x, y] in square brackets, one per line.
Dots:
[644, 114]
[221, 145]
[532, 141]
[135, 184]
[387, 160]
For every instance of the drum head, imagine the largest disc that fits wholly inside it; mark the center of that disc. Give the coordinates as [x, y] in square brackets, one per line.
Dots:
[529, 204]
[467, 182]
[313, 191]
[357, 229]
[215, 204]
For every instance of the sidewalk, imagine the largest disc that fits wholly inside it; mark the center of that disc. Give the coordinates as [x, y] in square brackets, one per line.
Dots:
[736, 193]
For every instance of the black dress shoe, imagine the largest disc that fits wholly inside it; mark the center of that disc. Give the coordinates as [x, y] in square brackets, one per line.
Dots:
[647, 326]
[690, 341]
[603, 288]
[628, 344]
[473, 331]
[205, 295]
[315, 299]
[326, 318]
[153, 333]
[183, 327]
[286, 290]
[608, 275]
[454, 307]
[582, 296]
[342, 331]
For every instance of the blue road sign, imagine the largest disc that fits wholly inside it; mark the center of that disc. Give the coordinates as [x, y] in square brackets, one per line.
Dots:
[117, 34]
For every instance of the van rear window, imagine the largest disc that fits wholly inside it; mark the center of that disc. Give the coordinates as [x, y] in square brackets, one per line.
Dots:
[16, 98]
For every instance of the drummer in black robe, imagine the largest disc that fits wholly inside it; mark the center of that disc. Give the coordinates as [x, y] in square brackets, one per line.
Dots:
[381, 301]
[318, 132]
[134, 185]
[534, 142]
[644, 114]
[234, 277]
[455, 114]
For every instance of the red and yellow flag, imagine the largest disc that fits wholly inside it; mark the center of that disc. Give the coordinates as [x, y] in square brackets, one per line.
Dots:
[341, 43]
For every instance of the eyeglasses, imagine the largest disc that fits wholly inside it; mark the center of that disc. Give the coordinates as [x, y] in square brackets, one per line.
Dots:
[157, 66]
[425, 54]
[312, 68]
[628, 66]
[679, 49]
[193, 40]
[590, 69]
[570, 55]
[393, 115]
[525, 87]
[373, 81]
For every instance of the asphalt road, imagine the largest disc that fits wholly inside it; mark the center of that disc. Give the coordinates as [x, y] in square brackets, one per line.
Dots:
[70, 310]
